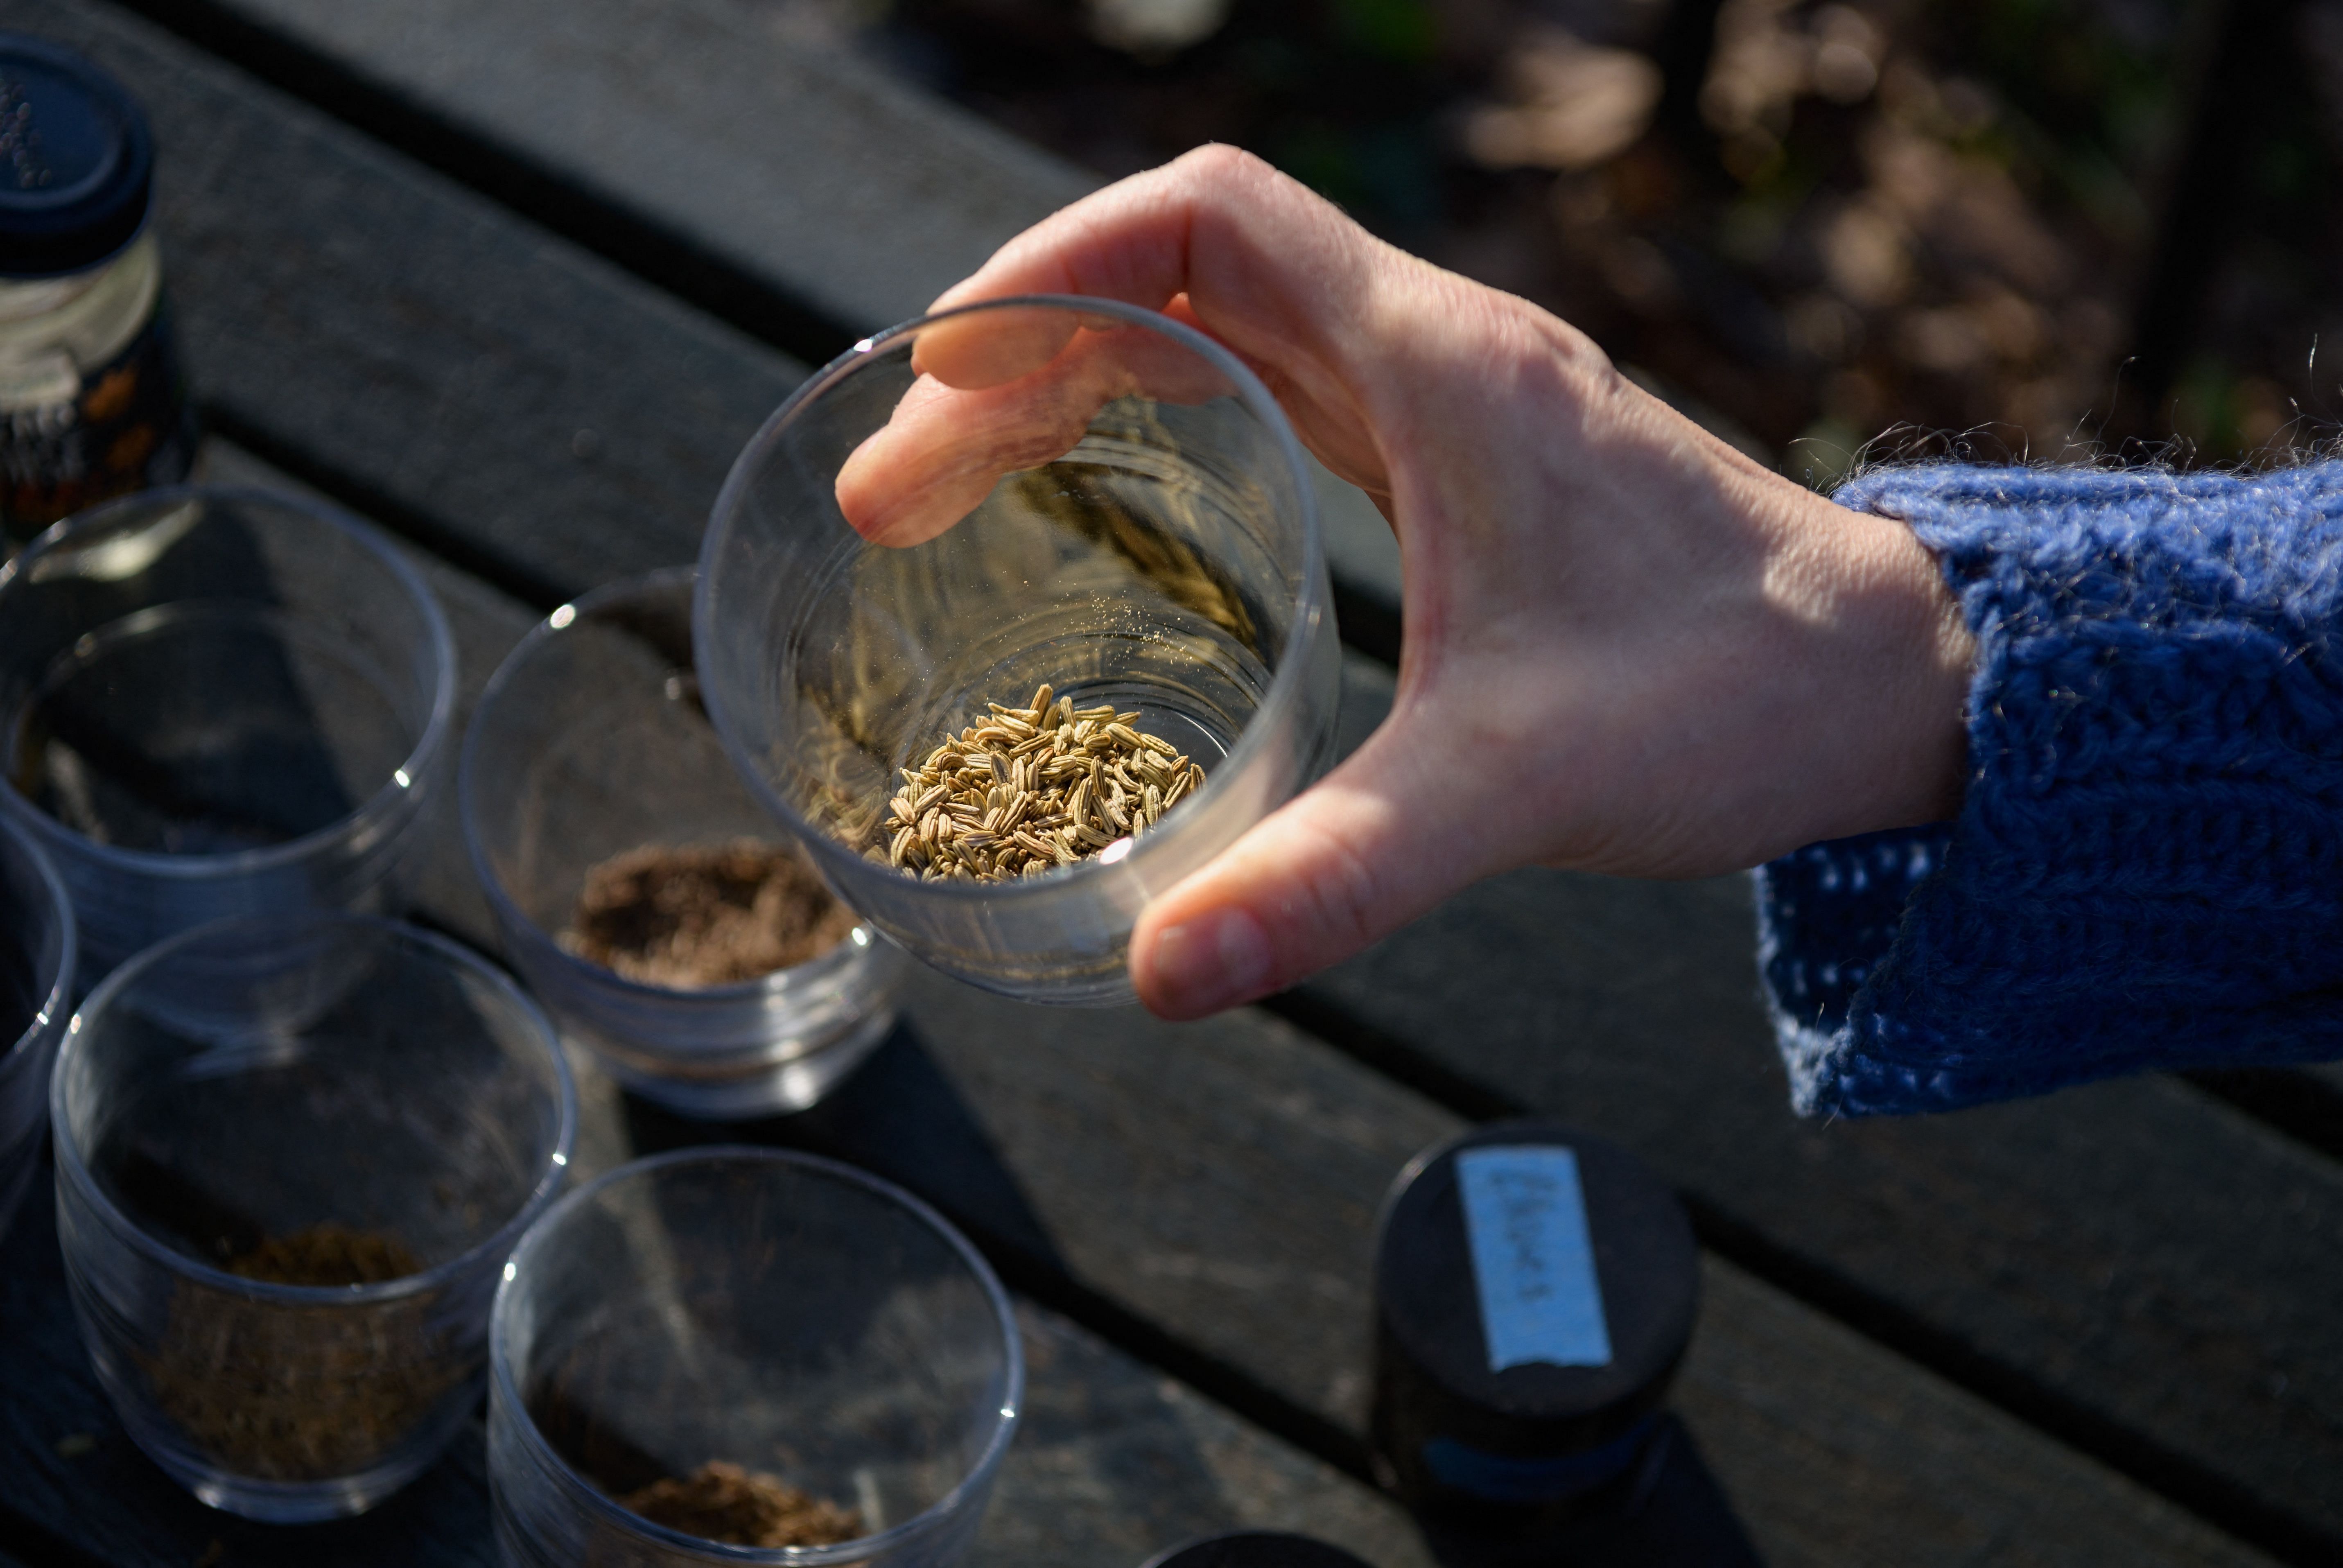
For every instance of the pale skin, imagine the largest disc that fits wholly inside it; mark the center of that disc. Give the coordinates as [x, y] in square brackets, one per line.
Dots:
[1629, 648]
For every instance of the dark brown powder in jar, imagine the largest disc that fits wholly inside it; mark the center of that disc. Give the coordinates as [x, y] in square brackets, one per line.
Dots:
[327, 1254]
[293, 1391]
[721, 1502]
[688, 917]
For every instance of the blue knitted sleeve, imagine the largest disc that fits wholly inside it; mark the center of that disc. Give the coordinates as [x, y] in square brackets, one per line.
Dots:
[2148, 866]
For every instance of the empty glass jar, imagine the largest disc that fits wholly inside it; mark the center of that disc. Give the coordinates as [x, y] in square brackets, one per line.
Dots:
[218, 702]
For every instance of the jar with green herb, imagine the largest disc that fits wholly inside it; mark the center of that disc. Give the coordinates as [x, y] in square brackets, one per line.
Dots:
[92, 404]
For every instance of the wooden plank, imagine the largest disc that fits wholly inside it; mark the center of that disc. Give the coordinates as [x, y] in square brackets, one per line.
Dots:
[799, 160]
[256, 327]
[2128, 1253]
[795, 164]
[1220, 1180]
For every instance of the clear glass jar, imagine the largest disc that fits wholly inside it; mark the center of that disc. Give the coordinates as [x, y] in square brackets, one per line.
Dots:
[590, 742]
[1121, 512]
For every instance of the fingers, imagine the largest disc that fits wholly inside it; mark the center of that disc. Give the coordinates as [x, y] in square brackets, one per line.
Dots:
[987, 349]
[942, 450]
[1377, 843]
[1219, 240]
[974, 416]
[1250, 255]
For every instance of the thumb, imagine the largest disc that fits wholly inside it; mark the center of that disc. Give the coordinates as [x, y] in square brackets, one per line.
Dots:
[1377, 842]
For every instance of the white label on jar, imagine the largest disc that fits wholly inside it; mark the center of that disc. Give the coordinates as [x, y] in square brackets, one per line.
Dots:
[1533, 1257]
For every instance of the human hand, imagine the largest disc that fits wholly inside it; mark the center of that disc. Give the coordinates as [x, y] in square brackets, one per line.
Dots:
[1628, 647]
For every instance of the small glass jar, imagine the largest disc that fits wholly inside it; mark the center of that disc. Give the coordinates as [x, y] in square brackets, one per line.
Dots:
[293, 1155]
[589, 743]
[218, 701]
[36, 974]
[780, 1316]
[92, 403]
[1121, 512]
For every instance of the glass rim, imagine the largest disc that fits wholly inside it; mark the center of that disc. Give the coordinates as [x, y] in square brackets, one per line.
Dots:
[416, 769]
[56, 998]
[71, 1166]
[1314, 602]
[467, 785]
[862, 1547]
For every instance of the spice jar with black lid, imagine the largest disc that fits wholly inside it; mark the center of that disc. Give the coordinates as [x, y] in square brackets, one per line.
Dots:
[1535, 1292]
[91, 400]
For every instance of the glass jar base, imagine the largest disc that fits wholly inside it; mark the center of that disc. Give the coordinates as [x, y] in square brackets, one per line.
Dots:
[279, 1501]
[290, 1503]
[765, 1090]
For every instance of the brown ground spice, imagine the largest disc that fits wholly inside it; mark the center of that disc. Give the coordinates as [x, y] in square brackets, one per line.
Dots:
[688, 916]
[328, 1254]
[283, 1391]
[721, 1502]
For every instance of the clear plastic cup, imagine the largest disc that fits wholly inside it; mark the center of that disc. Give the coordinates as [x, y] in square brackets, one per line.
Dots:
[218, 702]
[1139, 529]
[787, 1314]
[590, 742]
[260, 1105]
[37, 969]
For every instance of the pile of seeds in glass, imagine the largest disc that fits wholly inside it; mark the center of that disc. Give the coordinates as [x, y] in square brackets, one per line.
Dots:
[1031, 788]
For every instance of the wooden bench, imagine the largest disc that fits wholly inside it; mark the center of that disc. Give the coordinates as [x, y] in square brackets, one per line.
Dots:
[2099, 1327]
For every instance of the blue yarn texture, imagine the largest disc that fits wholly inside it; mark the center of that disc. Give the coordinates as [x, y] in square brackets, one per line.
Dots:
[2148, 868]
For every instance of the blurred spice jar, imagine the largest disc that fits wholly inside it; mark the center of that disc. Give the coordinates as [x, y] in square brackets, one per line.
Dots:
[92, 404]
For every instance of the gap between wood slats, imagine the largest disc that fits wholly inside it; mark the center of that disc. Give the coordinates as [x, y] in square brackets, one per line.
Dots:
[2306, 1108]
[37, 1547]
[2211, 1497]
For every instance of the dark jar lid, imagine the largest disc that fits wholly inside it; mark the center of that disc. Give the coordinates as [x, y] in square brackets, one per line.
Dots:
[1254, 1549]
[76, 161]
[1534, 1292]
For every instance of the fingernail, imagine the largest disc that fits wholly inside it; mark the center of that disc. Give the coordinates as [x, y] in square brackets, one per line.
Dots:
[1213, 961]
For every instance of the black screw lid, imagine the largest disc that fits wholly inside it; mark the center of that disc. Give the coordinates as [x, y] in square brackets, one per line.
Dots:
[1589, 1278]
[76, 161]
[1254, 1549]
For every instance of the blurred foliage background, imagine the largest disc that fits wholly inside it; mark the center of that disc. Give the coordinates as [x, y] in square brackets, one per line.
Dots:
[2037, 229]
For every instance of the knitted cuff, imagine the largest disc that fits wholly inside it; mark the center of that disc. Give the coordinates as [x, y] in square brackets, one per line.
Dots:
[2148, 866]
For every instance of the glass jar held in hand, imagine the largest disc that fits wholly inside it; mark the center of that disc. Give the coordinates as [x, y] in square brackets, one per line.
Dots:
[1075, 505]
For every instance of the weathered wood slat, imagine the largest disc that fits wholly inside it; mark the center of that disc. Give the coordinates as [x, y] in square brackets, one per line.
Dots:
[259, 346]
[723, 123]
[1220, 1180]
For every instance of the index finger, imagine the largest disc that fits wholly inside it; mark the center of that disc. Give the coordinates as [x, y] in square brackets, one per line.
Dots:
[1269, 268]
[972, 417]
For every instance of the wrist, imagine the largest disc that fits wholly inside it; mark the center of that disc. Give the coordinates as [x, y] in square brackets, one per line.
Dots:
[1902, 663]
